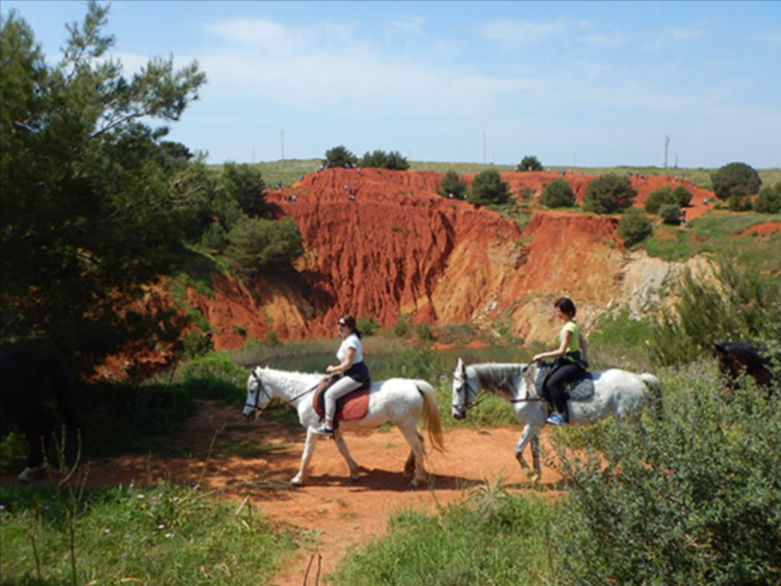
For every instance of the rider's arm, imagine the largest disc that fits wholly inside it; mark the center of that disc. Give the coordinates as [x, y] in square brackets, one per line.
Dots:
[349, 358]
[561, 351]
[583, 347]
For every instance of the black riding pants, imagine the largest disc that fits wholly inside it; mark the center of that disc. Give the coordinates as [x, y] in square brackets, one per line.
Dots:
[556, 388]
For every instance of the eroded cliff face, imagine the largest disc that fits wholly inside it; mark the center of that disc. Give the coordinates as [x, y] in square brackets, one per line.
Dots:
[380, 244]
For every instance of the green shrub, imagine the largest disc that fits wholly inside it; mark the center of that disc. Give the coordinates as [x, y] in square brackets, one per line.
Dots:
[339, 156]
[452, 185]
[740, 304]
[657, 198]
[609, 194]
[257, 244]
[682, 196]
[670, 213]
[488, 188]
[367, 326]
[634, 227]
[735, 179]
[558, 194]
[690, 498]
[529, 163]
[769, 200]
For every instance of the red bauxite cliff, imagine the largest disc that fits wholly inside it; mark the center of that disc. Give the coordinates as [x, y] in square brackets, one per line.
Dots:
[380, 244]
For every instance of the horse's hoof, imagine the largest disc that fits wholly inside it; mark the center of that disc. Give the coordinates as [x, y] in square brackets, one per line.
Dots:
[355, 477]
[296, 481]
[413, 483]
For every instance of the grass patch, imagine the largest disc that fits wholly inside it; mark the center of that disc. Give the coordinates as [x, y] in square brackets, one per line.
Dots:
[162, 535]
[491, 538]
[717, 233]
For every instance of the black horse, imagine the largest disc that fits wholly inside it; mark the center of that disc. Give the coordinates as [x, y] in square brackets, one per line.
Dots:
[739, 358]
[35, 398]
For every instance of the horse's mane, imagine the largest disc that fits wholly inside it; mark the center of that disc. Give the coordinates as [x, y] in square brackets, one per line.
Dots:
[745, 352]
[291, 374]
[494, 375]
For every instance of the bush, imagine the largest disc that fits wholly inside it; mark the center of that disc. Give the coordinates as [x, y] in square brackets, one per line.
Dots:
[257, 244]
[740, 303]
[682, 196]
[453, 185]
[609, 194]
[558, 194]
[367, 327]
[739, 203]
[488, 188]
[670, 213]
[529, 163]
[381, 160]
[769, 200]
[634, 227]
[735, 179]
[339, 156]
[689, 498]
[657, 198]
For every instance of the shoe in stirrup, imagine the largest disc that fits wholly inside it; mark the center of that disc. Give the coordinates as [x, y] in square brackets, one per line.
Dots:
[323, 430]
[556, 419]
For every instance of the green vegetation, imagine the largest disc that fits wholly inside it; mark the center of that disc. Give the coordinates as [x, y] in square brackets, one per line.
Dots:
[488, 188]
[719, 234]
[735, 180]
[382, 160]
[740, 304]
[657, 199]
[453, 186]
[634, 227]
[609, 194]
[558, 194]
[529, 163]
[769, 200]
[81, 171]
[670, 213]
[160, 534]
[491, 538]
[339, 156]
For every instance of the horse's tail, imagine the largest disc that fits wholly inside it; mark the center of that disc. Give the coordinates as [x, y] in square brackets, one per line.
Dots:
[431, 419]
[654, 386]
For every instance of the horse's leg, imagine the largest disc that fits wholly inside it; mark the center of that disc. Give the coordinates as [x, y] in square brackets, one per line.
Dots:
[536, 455]
[339, 439]
[409, 465]
[309, 449]
[415, 442]
[36, 442]
[529, 435]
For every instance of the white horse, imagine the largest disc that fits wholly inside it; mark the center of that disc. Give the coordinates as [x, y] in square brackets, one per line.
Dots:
[617, 392]
[399, 400]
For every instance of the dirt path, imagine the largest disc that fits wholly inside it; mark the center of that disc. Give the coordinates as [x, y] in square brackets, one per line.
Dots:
[339, 513]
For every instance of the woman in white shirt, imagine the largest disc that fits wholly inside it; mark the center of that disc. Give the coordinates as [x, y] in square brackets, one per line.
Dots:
[351, 372]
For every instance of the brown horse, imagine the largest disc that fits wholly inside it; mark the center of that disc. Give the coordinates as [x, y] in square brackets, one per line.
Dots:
[35, 396]
[741, 358]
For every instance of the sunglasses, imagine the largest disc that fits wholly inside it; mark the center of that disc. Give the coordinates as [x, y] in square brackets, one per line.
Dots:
[341, 323]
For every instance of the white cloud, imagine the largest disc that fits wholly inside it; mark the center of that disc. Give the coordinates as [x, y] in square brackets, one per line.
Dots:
[524, 32]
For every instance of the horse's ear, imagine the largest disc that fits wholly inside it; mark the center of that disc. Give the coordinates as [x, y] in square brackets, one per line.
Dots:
[460, 366]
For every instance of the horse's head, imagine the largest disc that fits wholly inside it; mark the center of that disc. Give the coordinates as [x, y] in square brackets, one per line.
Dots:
[258, 396]
[463, 392]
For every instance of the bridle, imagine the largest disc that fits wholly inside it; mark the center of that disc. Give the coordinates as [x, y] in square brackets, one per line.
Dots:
[268, 407]
[469, 394]
[261, 389]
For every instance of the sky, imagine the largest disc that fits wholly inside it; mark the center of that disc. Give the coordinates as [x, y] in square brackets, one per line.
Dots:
[581, 84]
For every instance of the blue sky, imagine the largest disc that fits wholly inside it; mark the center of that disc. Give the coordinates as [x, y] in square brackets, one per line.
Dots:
[585, 84]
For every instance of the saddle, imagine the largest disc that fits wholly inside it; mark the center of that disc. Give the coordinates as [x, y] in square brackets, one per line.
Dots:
[353, 405]
[581, 388]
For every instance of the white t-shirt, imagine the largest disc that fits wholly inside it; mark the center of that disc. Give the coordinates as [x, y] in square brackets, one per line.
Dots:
[351, 341]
